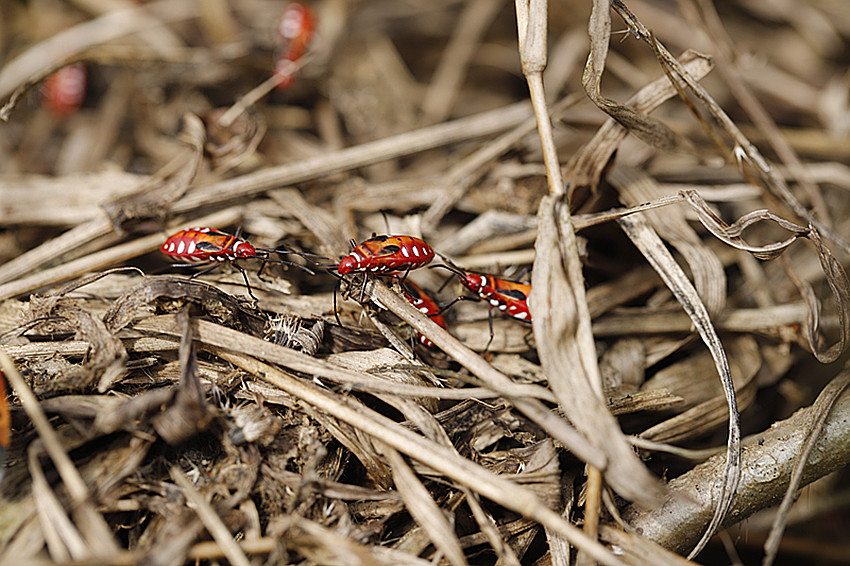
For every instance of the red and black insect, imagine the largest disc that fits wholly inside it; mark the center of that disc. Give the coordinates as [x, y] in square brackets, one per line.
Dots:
[383, 255]
[425, 304]
[209, 246]
[295, 30]
[386, 254]
[63, 92]
[510, 297]
[5, 419]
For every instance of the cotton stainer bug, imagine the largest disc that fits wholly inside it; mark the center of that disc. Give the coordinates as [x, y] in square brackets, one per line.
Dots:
[425, 304]
[209, 246]
[5, 419]
[63, 92]
[510, 297]
[295, 30]
[383, 255]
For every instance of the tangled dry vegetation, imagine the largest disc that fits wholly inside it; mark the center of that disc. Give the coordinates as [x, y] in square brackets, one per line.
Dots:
[682, 376]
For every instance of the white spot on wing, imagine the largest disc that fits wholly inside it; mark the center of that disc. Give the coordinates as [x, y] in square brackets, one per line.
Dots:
[180, 247]
[416, 251]
[191, 248]
[404, 252]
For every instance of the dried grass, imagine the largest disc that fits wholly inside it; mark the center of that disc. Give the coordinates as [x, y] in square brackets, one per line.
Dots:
[658, 193]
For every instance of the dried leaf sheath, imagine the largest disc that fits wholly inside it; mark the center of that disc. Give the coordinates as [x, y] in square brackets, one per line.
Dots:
[565, 346]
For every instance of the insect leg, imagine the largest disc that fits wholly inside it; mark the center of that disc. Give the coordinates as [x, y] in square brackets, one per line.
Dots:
[247, 284]
[215, 265]
[363, 288]
[492, 334]
[336, 313]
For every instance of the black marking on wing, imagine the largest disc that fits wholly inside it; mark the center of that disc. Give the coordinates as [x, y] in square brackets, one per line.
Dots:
[390, 249]
[514, 294]
[207, 247]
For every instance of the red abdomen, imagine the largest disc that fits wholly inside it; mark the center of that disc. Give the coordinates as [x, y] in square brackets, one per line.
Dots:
[203, 245]
[63, 92]
[425, 304]
[384, 254]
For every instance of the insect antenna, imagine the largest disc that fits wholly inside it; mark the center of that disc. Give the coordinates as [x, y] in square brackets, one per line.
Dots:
[267, 259]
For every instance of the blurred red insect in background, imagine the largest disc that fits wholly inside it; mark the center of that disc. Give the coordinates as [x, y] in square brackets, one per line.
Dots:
[295, 30]
[63, 92]
[5, 416]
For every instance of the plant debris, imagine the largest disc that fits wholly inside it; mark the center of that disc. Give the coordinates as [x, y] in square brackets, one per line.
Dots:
[634, 351]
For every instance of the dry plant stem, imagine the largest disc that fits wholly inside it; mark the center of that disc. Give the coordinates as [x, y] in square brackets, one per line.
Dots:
[767, 462]
[222, 337]
[433, 455]
[90, 521]
[484, 124]
[662, 261]
[591, 511]
[533, 409]
[108, 257]
[424, 509]
[210, 518]
[592, 506]
[50, 250]
[821, 407]
[564, 339]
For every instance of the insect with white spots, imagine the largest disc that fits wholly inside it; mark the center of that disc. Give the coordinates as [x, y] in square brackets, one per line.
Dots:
[385, 254]
[295, 30]
[510, 297]
[210, 246]
[425, 304]
[382, 255]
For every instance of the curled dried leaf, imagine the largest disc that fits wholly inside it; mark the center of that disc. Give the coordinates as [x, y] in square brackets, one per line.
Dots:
[834, 272]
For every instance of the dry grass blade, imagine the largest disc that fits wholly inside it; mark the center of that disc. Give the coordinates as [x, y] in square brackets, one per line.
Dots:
[568, 355]
[90, 522]
[211, 520]
[564, 338]
[649, 130]
[662, 261]
[434, 456]
[424, 509]
[820, 409]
